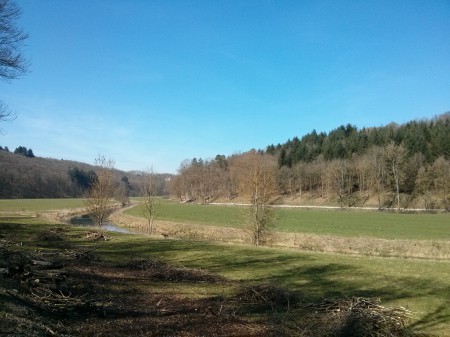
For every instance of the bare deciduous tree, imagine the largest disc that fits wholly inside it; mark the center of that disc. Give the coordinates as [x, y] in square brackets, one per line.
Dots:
[377, 173]
[441, 175]
[12, 62]
[256, 176]
[339, 180]
[150, 187]
[101, 191]
[6, 115]
[395, 156]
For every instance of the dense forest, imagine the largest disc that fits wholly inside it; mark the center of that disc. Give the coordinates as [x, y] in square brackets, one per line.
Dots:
[431, 139]
[24, 175]
[401, 166]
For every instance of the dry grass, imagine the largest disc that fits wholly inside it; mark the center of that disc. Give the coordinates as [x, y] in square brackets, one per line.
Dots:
[421, 249]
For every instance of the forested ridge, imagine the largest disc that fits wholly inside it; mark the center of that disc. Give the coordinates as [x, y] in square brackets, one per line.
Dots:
[398, 166]
[429, 138]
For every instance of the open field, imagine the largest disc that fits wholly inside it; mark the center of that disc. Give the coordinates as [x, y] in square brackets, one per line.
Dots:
[135, 292]
[38, 205]
[348, 223]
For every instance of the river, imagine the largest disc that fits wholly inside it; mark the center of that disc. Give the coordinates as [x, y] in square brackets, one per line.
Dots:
[85, 220]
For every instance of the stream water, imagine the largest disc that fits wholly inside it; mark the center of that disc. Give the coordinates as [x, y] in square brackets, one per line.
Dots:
[85, 220]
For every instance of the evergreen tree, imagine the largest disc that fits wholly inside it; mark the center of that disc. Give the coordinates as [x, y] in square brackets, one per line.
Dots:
[21, 150]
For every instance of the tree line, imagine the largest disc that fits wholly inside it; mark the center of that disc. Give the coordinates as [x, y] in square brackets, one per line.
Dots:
[396, 166]
[22, 150]
[430, 138]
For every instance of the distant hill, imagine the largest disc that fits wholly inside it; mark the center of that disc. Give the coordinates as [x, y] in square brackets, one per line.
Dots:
[23, 176]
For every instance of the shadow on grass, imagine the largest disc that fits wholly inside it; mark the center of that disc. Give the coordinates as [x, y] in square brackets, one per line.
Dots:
[313, 276]
[440, 316]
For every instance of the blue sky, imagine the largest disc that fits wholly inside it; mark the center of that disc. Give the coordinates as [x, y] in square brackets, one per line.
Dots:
[151, 83]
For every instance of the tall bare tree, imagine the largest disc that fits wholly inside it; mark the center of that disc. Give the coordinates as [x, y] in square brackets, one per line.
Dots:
[101, 191]
[150, 187]
[395, 156]
[256, 176]
[12, 62]
[377, 173]
[339, 180]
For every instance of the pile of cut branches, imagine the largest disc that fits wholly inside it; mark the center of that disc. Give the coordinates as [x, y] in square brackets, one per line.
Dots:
[267, 295]
[359, 316]
[40, 280]
[163, 271]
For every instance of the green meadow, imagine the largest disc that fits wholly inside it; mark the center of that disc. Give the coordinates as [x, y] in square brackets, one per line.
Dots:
[422, 286]
[30, 205]
[352, 223]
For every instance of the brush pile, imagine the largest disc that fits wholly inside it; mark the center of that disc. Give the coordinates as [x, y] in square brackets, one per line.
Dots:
[266, 295]
[364, 317]
[40, 279]
[159, 270]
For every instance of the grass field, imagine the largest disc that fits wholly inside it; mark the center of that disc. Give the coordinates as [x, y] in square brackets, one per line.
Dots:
[353, 223]
[33, 205]
[421, 286]
[385, 225]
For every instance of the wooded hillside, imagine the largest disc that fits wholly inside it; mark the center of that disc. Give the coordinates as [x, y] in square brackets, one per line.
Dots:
[429, 138]
[23, 176]
[401, 166]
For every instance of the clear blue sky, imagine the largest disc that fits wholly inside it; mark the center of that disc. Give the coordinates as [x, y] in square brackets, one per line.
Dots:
[151, 83]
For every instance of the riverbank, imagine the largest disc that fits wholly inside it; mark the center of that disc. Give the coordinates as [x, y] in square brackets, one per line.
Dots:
[365, 246]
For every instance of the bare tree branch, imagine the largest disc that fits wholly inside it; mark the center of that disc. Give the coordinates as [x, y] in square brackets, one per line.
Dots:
[12, 62]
